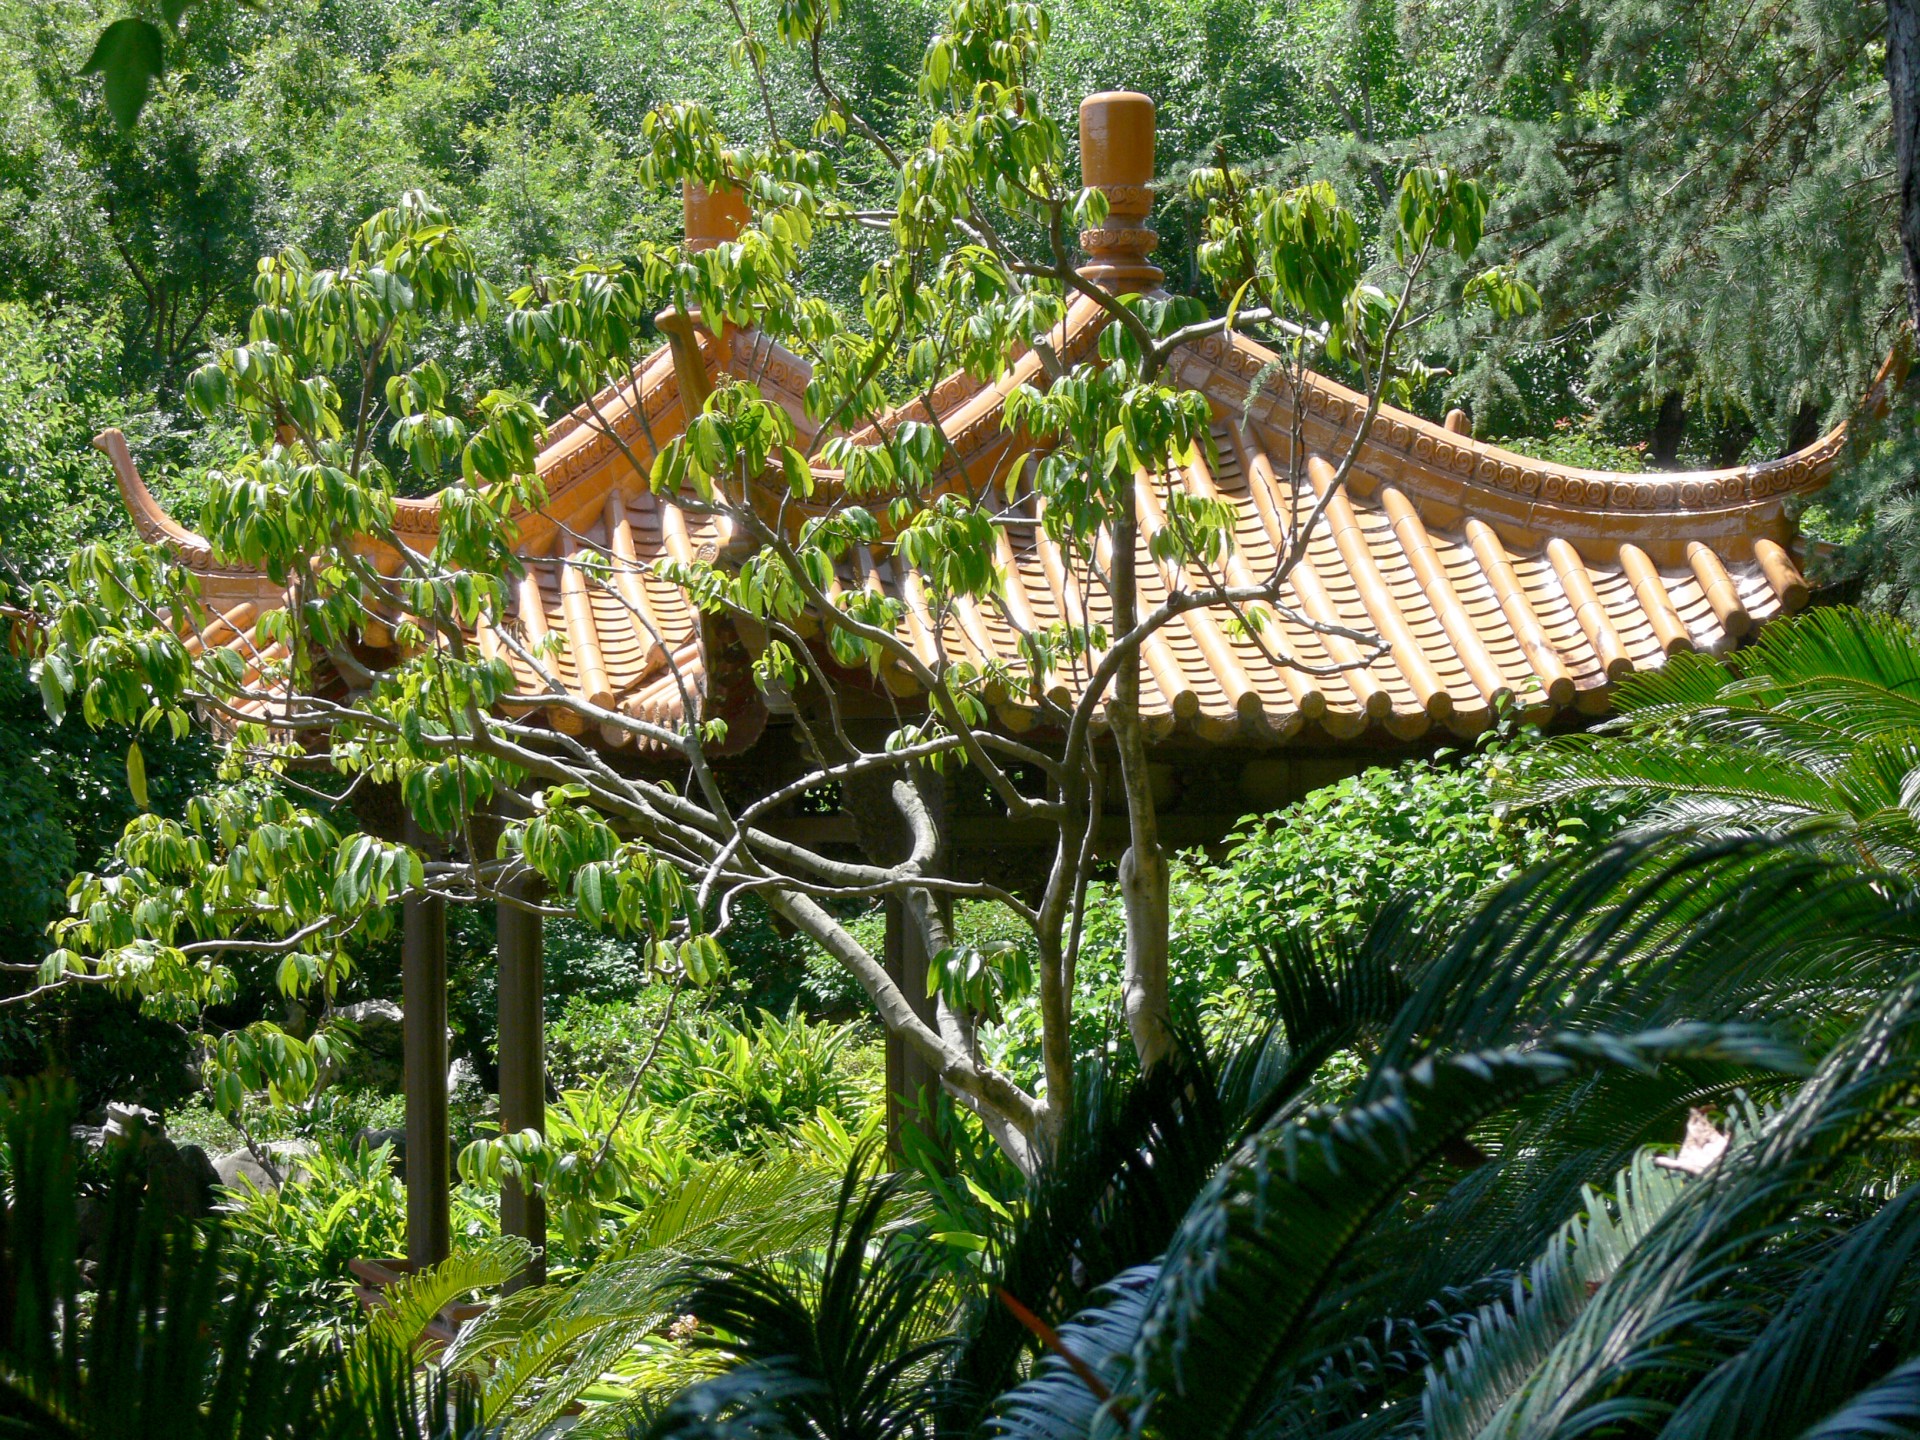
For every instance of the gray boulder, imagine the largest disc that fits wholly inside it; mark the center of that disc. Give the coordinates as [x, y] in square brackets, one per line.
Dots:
[181, 1178]
[376, 1046]
[394, 1137]
[237, 1165]
[130, 1122]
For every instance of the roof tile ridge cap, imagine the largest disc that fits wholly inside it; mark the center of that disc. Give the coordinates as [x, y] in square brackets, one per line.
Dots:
[612, 394]
[1804, 469]
[1819, 454]
[149, 517]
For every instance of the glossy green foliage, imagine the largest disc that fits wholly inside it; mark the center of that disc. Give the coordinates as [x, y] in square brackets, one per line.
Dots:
[339, 1202]
[1811, 735]
[1426, 836]
[758, 1078]
[647, 1100]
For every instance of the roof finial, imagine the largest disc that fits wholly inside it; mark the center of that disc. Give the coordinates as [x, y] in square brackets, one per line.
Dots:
[1116, 156]
[712, 216]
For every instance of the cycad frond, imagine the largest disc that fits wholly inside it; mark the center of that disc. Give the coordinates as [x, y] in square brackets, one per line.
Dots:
[1271, 1230]
[1817, 1349]
[1887, 1408]
[536, 1351]
[1596, 1373]
[1505, 1342]
[1057, 1403]
[410, 1306]
[1811, 734]
[849, 1342]
[1585, 765]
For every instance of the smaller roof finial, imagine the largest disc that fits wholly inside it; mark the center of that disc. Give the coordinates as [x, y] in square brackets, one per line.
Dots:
[1116, 157]
[712, 216]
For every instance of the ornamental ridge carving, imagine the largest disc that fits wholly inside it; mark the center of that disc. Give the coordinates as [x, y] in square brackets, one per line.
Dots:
[1110, 240]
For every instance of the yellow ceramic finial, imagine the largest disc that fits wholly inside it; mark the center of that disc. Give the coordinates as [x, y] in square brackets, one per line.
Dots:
[1116, 156]
[713, 216]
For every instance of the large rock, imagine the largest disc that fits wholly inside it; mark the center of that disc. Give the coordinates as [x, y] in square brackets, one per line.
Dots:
[376, 1046]
[237, 1165]
[395, 1137]
[130, 1122]
[179, 1178]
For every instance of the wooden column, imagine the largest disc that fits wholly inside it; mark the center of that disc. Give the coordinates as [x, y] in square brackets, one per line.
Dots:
[910, 1079]
[871, 802]
[523, 1068]
[423, 985]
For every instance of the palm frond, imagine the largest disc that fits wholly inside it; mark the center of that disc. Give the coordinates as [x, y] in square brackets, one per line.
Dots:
[1270, 1231]
[850, 1341]
[1056, 1402]
[1817, 1348]
[1888, 1408]
[410, 1306]
[1505, 1342]
[535, 1352]
[1594, 1374]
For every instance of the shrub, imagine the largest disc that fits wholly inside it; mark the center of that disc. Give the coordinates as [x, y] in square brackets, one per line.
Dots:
[1427, 834]
[741, 1084]
[341, 1202]
[590, 1041]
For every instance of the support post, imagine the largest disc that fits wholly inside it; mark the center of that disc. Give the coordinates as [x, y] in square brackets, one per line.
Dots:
[873, 804]
[523, 1067]
[423, 985]
[910, 1081]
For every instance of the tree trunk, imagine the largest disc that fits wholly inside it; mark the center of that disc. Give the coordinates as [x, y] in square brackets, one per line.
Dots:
[911, 1081]
[1668, 428]
[1903, 82]
[1144, 892]
[1143, 869]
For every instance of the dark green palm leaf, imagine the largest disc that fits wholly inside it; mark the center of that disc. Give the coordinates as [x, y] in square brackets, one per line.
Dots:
[1884, 1410]
[1270, 1232]
[850, 1343]
[1614, 1365]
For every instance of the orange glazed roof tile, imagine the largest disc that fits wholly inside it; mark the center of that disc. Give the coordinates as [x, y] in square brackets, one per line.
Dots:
[1484, 572]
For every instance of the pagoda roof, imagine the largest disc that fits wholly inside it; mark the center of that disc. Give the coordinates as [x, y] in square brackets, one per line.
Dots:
[1486, 573]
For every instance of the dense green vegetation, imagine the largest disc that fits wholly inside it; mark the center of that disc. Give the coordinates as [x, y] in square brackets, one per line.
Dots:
[1410, 1162]
[130, 253]
[1434, 1192]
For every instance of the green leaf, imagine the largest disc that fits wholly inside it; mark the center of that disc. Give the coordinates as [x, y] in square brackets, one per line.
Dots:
[137, 775]
[129, 56]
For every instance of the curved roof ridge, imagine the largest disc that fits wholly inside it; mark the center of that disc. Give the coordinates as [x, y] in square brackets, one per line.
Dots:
[150, 518]
[1428, 452]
